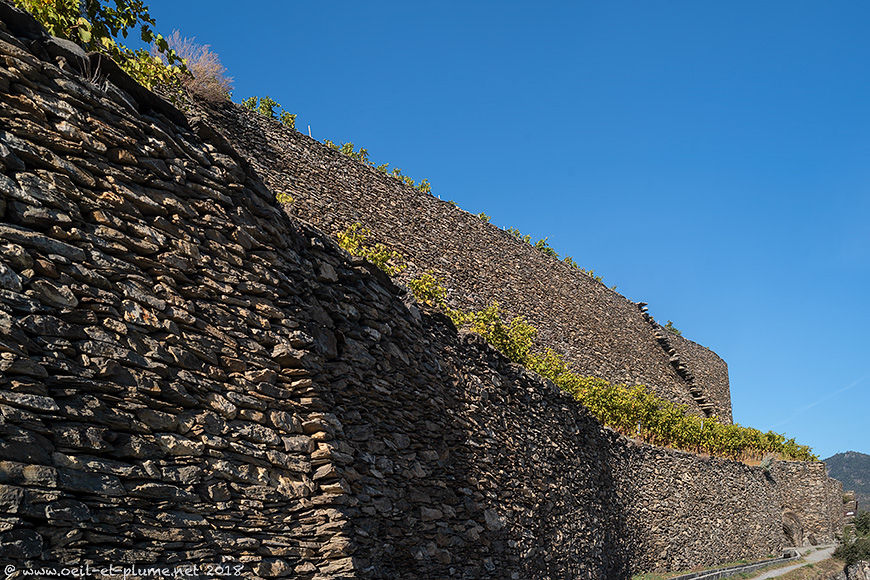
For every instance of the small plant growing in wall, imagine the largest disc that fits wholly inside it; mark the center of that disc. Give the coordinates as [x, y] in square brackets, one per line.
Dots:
[513, 339]
[543, 247]
[349, 149]
[671, 328]
[428, 289]
[593, 275]
[397, 173]
[518, 235]
[266, 107]
[767, 462]
[484, 217]
[287, 119]
[355, 240]
[207, 79]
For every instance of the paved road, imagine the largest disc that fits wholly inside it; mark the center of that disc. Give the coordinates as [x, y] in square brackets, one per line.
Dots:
[817, 556]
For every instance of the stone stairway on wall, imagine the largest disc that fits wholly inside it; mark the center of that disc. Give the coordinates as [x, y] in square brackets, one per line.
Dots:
[662, 336]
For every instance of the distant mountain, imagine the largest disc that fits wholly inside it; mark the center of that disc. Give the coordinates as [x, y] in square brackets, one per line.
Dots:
[853, 469]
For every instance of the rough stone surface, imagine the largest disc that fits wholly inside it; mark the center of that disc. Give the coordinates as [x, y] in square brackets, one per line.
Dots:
[191, 376]
[857, 571]
[709, 371]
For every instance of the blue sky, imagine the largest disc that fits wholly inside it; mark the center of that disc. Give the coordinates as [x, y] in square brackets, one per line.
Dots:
[708, 158]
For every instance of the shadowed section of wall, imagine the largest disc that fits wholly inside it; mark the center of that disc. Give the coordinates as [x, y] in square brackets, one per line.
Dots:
[191, 377]
[156, 395]
[600, 332]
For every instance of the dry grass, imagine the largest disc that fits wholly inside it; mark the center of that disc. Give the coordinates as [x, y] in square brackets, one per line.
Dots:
[817, 571]
[208, 77]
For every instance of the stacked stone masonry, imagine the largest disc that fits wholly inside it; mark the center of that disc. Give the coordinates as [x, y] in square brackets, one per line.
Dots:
[708, 370]
[190, 376]
[600, 332]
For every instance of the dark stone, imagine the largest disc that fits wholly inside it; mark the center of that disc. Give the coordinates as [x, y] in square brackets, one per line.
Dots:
[9, 160]
[20, 544]
[40, 242]
[69, 51]
[68, 511]
[17, 444]
[90, 483]
[9, 279]
[145, 99]
[20, 22]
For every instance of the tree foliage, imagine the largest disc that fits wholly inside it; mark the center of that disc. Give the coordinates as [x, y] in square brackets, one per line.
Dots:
[98, 25]
[853, 550]
[855, 547]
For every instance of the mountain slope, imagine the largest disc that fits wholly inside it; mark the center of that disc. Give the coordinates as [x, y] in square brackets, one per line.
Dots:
[853, 469]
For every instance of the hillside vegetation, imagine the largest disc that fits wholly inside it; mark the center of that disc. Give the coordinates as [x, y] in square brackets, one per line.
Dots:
[853, 469]
[855, 546]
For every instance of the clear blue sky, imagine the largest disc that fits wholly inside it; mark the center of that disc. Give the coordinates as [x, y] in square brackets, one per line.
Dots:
[708, 158]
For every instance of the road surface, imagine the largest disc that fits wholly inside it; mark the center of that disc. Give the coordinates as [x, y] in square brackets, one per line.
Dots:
[821, 554]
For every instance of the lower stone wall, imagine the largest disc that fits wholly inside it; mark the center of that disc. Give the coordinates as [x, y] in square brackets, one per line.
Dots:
[708, 510]
[705, 510]
[811, 499]
[192, 378]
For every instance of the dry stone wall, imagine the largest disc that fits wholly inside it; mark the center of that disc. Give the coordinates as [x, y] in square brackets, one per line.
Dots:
[599, 331]
[702, 368]
[811, 499]
[189, 377]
